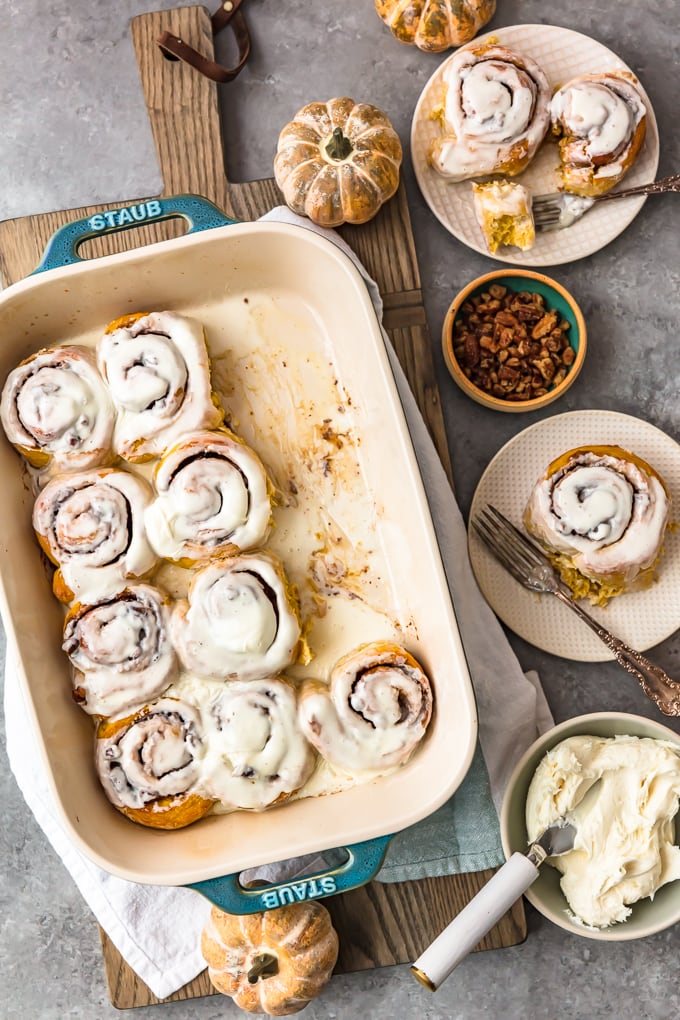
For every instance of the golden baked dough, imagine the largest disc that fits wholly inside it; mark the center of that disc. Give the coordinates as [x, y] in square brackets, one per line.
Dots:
[601, 513]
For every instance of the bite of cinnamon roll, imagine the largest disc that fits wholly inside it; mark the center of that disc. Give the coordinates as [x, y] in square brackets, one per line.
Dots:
[373, 714]
[601, 514]
[240, 620]
[600, 121]
[213, 499]
[55, 409]
[157, 369]
[91, 525]
[149, 764]
[495, 113]
[120, 650]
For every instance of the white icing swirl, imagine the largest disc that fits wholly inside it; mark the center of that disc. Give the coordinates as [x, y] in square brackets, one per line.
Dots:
[495, 113]
[55, 407]
[91, 525]
[375, 712]
[598, 116]
[604, 511]
[213, 499]
[158, 373]
[256, 752]
[120, 650]
[156, 754]
[239, 621]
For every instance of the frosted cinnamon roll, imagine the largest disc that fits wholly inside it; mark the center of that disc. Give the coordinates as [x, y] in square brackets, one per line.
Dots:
[213, 499]
[120, 650]
[240, 621]
[158, 372]
[55, 408]
[149, 764]
[91, 525]
[375, 711]
[495, 113]
[257, 753]
[601, 513]
[600, 121]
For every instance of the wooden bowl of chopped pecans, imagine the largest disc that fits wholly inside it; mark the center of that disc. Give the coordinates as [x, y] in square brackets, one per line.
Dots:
[514, 340]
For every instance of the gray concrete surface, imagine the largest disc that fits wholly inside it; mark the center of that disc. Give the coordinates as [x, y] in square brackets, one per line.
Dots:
[74, 131]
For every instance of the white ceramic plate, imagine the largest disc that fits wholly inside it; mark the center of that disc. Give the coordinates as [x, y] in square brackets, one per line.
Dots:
[642, 619]
[562, 54]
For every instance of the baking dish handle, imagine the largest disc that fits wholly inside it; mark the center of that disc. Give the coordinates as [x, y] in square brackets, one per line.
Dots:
[363, 863]
[62, 248]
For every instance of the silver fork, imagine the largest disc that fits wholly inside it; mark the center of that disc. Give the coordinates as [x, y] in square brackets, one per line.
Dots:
[559, 210]
[529, 565]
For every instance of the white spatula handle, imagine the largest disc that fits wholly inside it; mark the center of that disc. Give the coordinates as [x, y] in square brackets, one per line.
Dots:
[474, 921]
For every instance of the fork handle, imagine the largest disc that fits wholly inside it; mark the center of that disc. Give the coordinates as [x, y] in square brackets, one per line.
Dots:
[655, 682]
[664, 184]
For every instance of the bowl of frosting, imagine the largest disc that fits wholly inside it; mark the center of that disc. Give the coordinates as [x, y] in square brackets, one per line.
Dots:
[616, 777]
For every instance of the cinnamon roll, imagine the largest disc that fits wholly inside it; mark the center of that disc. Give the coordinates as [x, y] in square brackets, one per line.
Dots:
[495, 113]
[149, 764]
[213, 499]
[257, 753]
[601, 514]
[55, 408]
[91, 525]
[600, 121]
[375, 711]
[158, 372]
[120, 650]
[240, 620]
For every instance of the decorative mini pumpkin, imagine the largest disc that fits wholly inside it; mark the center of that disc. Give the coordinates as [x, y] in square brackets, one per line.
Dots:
[435, 25]
[337, 162]
[274, 962]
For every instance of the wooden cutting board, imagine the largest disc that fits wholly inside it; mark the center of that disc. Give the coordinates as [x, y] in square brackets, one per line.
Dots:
[379, 924]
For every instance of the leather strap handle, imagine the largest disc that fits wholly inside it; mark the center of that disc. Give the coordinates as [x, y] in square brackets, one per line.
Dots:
[227, 14]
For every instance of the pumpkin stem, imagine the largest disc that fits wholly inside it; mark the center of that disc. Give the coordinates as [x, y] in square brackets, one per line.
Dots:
[339, 146]
[263, 966]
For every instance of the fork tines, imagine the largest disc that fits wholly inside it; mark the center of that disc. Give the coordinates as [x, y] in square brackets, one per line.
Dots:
[546, 210]
[506, 541]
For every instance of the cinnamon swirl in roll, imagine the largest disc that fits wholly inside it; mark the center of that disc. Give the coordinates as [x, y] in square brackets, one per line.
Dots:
[257, 754]
[149, 764]
[120, 650]
[240, 620]
[213, 499]
[91, 525]
[495, 113]
[600, 121]
[375, 711]
[55, 409]
[158, 372]
[601, 513]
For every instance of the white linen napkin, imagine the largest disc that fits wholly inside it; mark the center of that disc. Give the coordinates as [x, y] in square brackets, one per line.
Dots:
[157, 929]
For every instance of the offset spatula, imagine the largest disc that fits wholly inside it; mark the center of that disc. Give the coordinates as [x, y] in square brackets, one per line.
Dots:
[480, 915]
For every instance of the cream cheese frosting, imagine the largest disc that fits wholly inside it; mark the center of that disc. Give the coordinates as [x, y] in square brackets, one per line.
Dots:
[625, 847]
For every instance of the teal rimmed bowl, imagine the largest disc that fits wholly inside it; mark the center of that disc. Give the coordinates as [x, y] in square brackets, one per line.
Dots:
[556, 297]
